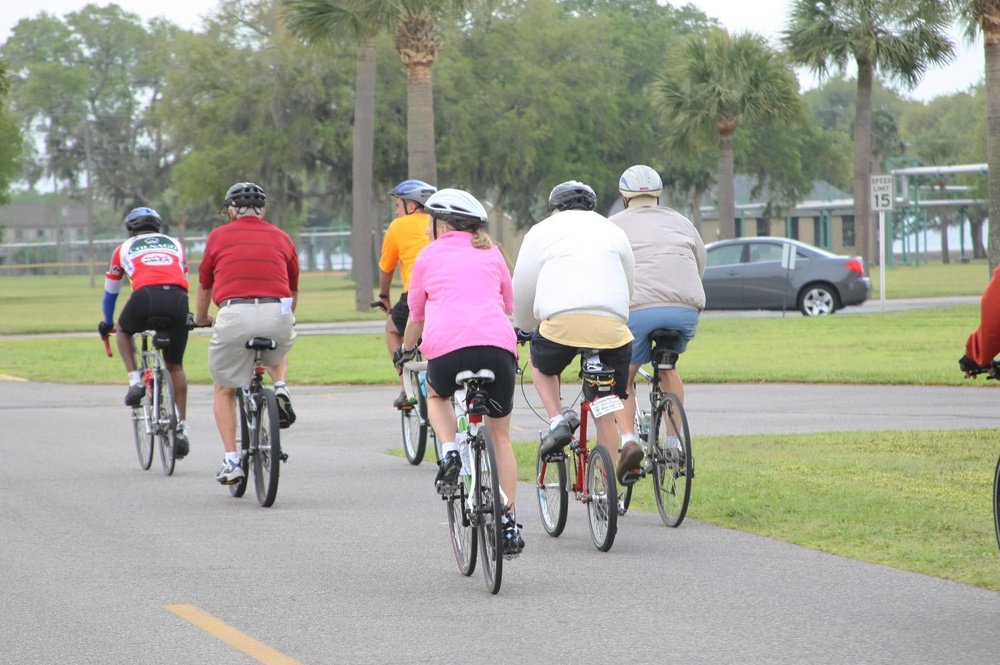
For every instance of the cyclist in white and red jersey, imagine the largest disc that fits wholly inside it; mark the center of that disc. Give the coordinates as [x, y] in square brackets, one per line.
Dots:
[156, 266]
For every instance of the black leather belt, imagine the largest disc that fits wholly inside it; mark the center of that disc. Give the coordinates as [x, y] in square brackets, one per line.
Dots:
[247, 301]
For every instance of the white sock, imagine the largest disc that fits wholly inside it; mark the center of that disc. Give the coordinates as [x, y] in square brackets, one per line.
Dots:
[556, 420]
[135, 378]
[449, 447]
[673, 442]
[233, 457]
[629, 437]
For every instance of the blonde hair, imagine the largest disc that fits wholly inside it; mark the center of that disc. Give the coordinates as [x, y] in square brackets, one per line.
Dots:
[481, 239]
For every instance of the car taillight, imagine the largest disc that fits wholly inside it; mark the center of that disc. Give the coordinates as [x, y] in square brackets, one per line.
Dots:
[855, 265]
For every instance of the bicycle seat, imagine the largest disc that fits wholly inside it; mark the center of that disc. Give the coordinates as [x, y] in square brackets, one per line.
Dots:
[261, 344]
[483, 375]
[663, 357]
[661, 335]
[161, 325]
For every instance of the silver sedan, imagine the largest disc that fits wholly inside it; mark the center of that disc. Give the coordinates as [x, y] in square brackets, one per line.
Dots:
[779, 273]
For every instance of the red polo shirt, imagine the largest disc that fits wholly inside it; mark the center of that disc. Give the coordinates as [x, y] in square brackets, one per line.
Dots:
[249, 258]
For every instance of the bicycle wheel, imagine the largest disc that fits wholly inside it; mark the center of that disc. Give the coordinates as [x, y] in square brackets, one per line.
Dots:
[463, 533]
[414, 421]
[267, 450]
[996, 502]
[166, 424]
[489, 510]
[144, 431]
[553, 497]
[673, 469]
[602, 498]
[238, 488]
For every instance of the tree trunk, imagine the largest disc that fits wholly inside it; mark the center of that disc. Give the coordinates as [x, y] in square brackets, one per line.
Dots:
[991, 37]
[864, 235]
[362, 170]
[726, 198]
[421, 158]
[696, 210]
[976, 231]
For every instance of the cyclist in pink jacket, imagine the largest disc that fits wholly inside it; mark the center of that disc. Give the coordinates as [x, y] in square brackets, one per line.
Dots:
[460, 297]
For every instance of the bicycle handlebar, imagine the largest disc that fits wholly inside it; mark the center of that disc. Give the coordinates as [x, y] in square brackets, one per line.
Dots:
[378, 304]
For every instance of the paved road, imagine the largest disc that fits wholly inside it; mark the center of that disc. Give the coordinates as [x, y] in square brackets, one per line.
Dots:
[352, 564]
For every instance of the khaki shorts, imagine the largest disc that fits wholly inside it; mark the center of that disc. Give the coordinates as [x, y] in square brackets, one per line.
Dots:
[229, 361]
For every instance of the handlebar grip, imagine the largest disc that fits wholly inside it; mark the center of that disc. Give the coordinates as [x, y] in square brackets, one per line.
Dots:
[378, 304]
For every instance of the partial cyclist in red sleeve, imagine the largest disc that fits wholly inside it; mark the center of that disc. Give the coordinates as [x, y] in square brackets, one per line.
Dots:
[984, 344]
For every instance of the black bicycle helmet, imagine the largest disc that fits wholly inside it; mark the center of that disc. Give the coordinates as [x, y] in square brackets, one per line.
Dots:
[417, 191]
[458, 208]
[245, 195]
[572, 195]
[143, 218]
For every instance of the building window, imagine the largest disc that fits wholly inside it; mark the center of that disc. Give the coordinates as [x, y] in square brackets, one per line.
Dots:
[739, 227]
[40, 233]
[762, 227]
[847, 226]
[818, 231]
[793, 228]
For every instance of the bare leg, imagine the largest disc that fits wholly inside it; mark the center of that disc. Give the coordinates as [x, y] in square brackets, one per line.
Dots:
[506, 463]
[126, 349]
[607, 435]
[393, 340]
[626, 417]
[279, 371]
[547, 387]
[179, 379]
[442, 416]
[225, 416]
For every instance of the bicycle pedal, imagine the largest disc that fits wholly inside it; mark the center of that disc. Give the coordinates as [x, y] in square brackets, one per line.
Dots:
[284, 457]
[631, 477]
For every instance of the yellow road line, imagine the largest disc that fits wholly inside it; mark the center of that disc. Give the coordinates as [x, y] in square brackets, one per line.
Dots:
[234, 638]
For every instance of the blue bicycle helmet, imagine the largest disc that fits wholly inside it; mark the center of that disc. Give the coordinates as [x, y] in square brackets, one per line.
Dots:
[143, 218]
[417, 191]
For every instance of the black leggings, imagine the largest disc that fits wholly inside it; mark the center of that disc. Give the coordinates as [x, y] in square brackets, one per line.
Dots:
[168, 301]
[441, 373]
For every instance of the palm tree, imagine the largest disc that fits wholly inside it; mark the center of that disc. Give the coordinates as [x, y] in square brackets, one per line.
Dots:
[715, 83]
[898, 38]
[984, 15]
[317, 21]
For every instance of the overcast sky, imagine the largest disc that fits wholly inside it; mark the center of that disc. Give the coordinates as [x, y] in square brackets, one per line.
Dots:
[766, 17]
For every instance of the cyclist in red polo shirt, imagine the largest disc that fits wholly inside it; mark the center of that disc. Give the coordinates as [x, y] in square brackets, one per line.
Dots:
[250, 270]
[156, 267]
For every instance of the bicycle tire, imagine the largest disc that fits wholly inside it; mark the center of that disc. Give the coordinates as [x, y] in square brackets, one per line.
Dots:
[488, 509]
[996, 502]
[602, 498]
[414, 422]
[166, 425]
[267, 450]
[463, 533]
[552, 494]
[239, 488]
[142, 428]
[672, 477]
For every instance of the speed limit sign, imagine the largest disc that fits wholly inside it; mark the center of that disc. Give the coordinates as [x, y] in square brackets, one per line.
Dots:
[883, 196]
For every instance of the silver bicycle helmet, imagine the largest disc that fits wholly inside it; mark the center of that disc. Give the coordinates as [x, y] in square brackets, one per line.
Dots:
[572, 195]
[640, 180]
[458, 208]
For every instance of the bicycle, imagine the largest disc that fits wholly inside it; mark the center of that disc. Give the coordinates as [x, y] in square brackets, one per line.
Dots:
[259, 441]
[672, 473]
[155, 419]
[477, 504]
[590, 474]
[992, 371]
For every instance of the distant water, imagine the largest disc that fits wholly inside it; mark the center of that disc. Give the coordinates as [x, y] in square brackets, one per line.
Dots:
[932, 238]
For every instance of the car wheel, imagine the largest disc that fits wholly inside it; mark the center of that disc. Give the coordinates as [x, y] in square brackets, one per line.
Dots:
[817, 300]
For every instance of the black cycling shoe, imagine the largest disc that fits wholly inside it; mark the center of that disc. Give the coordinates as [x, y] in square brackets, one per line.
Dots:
[134, 395]
[448, 470]
[513, 543]
[181, 444]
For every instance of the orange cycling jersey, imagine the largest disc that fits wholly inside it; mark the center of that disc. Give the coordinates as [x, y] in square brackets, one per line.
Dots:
[403, 240]
[151, 259]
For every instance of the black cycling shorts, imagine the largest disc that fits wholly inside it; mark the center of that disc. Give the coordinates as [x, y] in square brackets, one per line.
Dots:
[400, 313]
[441, 373]
[168, 301]
[552, 358]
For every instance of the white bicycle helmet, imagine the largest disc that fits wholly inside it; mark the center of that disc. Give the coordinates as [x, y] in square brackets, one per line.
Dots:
[458, 208]
[640, 180]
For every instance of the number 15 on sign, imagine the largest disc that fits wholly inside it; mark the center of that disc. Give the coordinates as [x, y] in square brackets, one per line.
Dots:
[883, 196]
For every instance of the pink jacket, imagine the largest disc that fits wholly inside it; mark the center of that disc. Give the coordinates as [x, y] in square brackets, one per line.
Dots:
[463, 295]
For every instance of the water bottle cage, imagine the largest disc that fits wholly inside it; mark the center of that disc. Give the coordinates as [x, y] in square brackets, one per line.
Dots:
[478, 401]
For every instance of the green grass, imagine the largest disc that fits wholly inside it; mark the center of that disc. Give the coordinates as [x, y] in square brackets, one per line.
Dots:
[35, 304]
[918, 501]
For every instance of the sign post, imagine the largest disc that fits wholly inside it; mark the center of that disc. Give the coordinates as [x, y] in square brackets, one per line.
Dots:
[788, 263]
[883, 198]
